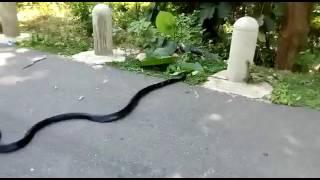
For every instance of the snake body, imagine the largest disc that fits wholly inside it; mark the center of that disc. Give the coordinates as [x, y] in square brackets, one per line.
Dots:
[14, 146]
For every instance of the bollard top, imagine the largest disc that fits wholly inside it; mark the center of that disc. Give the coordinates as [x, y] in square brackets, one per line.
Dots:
[246, 23]
[101, 8]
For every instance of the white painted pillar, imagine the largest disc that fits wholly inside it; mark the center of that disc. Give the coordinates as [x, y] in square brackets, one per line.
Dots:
[9, 20]
[102, 30]
[243, 45]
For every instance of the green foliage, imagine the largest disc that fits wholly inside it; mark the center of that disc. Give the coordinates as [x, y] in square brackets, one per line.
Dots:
[170, 45]
[217, 15]
[307, 60]
[167, 50]
[214, 10]
[174, 30]
[298, 90]
[314, 40]
[174, 35]
[199, 68]
[123, 13]
[224, 9]
[268, 16]
[82, 12]
[158, 38]
[181, 29]
[294, 89]
[58, 36]
[189, 31]
[24, 4]
[139, 27]
[143, 32]
[193, 68]
[281, 95]
[207, 11]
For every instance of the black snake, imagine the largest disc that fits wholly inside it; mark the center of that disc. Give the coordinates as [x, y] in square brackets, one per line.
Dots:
[14, 146]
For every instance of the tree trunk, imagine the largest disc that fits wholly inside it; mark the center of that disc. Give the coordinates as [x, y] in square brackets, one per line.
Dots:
[9, 19]
[293, 33]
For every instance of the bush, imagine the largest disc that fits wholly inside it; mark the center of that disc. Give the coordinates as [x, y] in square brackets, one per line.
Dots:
[57, 35]
[123, 13]
[82, 12]
[307, 60]
[189, 29]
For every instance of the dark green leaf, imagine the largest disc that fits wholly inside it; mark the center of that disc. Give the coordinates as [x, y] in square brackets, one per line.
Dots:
[278, 9]
[224, 8]
[160, 41]
[269, 23]
[212, 56]
[207, 13]
[205, 5]
[168, 50]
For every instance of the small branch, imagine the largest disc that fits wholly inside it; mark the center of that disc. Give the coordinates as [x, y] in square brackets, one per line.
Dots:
[35, 61]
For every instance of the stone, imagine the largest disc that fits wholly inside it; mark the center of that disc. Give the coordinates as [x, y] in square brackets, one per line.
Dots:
[141, 56]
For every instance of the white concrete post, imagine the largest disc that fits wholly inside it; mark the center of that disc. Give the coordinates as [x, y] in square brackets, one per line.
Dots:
[102, 30]
[9, 20]
[243, 45]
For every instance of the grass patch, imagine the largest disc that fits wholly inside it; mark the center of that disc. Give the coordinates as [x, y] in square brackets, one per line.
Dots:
[56, 35]
[293, 89]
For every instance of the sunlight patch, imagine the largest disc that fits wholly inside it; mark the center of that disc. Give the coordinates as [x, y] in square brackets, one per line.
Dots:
[12, 80]
[4, 57]
[293, 140]
[22, 50]
[176, 175]
[215, 117]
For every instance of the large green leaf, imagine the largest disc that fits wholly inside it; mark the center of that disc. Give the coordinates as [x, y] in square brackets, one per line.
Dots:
[166, 23]
[206, 12]
[278, 9]
[269, 23]
[224, 8]
[154, 60]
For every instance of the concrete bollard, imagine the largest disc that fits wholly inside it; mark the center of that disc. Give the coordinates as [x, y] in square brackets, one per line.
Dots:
[9, 20]
[102, 30]
[243, 45]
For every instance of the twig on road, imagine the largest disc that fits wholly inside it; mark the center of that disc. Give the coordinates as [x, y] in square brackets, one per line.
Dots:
[35, 60]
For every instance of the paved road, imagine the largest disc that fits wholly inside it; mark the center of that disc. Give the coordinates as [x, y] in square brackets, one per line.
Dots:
[177, 131]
